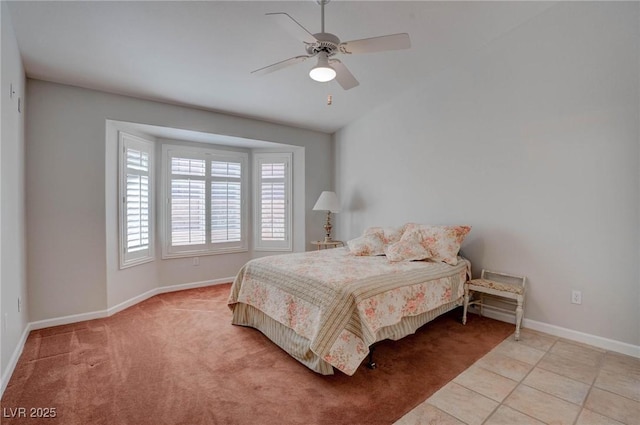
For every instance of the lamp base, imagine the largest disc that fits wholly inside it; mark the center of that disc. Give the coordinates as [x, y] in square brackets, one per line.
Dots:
[327, 228]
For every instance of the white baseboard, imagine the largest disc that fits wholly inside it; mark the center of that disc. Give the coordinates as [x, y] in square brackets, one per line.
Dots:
[570, 334]
[75, 318]
[131, 302]
[163, 290]
[65, 320]
[13, 361]
[596, 341]
[193, 285]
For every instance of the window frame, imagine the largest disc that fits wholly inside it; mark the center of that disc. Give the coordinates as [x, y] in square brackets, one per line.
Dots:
[272, 157]
[146, 255]
[170, 151]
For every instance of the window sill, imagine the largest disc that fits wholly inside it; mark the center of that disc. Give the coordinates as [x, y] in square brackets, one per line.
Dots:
[188, 254]
[136, 262]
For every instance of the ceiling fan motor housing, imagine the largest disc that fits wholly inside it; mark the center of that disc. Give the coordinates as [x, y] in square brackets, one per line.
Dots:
[327, 43]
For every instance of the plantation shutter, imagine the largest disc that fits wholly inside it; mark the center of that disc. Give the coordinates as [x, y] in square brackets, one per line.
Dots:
[188, 202]
[136, 191]
[205, 212]
[226, 201]
[273, 208]
[272, 200]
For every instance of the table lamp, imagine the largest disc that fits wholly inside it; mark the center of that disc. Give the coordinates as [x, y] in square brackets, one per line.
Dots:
[328, 201]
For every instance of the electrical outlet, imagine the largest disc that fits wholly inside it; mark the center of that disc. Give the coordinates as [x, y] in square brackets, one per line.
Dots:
[576, 297]
[196, 261]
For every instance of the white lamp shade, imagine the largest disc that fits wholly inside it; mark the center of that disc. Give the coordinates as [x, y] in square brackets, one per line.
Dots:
[322, 72]
[328, 201]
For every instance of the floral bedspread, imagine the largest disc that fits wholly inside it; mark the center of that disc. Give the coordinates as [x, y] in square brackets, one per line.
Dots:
[339, 301]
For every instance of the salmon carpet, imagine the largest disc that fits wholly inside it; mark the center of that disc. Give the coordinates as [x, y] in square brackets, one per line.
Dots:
[176, 359]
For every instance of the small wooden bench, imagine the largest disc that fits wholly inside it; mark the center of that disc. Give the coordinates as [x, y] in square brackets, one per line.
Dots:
[509, 289]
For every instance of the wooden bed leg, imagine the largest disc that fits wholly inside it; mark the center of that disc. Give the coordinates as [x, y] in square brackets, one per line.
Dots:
[371, 364]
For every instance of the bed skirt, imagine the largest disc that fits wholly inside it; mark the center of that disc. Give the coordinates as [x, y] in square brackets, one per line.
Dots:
[299, 347]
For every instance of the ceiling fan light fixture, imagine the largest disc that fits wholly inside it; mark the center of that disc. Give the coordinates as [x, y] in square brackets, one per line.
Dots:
[322, 72]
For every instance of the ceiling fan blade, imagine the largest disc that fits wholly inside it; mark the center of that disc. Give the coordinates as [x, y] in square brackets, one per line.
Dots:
[344, 77]
[282, 64]
[376, 44]
[293, 27]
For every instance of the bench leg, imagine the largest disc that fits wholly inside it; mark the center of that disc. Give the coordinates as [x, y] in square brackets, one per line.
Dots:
[466, 305]
[519, 313]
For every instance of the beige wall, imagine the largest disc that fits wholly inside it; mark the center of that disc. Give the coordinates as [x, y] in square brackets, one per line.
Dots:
[534, 141]
[13, 277]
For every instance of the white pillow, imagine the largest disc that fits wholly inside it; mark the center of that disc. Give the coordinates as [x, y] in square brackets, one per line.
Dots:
[442, 242]
[408, 248]
[368, 244]
[388, 234]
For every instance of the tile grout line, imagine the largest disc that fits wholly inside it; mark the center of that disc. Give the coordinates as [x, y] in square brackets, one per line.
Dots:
[593, 382]
[592, 385]
[521, 382]
[581, 406]
[482, 395]
[598, 369]
[517, 382]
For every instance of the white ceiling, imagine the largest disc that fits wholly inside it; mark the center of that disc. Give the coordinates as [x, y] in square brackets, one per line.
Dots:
[200, 54]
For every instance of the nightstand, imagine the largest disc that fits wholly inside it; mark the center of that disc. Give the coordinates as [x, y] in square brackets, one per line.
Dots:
[327, 244]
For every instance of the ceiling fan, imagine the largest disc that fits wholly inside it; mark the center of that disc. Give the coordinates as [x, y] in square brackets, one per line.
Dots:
[325, 45]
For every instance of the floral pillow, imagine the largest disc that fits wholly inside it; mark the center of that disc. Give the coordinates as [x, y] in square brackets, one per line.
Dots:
[442, 242]
[368, 244]
[408, 248]
[388, 234]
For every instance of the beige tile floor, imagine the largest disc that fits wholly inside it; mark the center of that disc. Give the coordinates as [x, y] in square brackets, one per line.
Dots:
[538, 380]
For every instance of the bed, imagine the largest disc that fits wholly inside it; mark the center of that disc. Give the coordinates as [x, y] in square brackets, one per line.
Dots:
[326, 308]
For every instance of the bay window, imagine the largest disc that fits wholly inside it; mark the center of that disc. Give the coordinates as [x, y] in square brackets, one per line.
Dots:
[205, 209]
